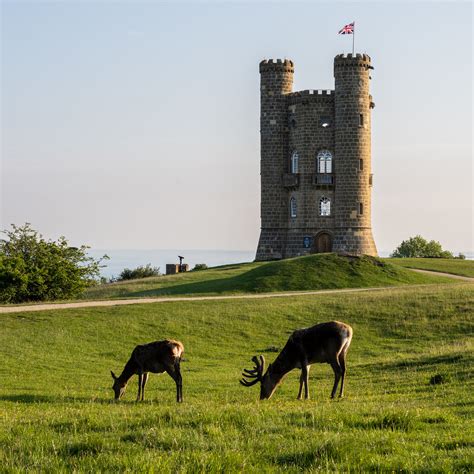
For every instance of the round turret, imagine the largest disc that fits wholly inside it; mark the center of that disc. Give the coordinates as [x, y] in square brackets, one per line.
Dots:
[276, 82]
[353, 230]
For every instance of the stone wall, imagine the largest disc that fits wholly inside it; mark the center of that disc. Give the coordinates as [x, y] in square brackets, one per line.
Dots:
[353, 134]
[276, 81]
[292, 121]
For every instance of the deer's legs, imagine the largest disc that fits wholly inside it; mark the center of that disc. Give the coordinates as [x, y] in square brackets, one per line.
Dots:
[175, 373]
[300, 391]
[144, 381]
[140, 377]
[342, 363]
[179, 384]
[304, 381]
[337, 375]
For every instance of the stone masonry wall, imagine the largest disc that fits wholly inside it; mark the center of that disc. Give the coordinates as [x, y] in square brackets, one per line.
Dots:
[276, 80]
[308, 137]
[291, 121]
[353, 229]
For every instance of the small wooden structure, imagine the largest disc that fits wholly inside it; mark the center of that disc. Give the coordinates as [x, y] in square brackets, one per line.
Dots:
[173, 268]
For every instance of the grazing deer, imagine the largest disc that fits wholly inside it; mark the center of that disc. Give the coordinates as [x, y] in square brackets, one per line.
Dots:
[156, 357]
[325, 342]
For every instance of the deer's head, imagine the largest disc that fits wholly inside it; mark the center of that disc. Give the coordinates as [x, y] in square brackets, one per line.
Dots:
[268, 382]
[118, 387]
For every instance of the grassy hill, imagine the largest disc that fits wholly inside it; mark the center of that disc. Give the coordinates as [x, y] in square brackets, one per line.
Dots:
[56, 412]
[446, 265]
[321, 271]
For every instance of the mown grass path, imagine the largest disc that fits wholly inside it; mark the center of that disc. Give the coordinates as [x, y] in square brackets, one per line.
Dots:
[307, 273]
[130, 301]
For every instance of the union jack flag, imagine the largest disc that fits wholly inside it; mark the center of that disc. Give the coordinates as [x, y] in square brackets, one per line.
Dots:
[348, 29]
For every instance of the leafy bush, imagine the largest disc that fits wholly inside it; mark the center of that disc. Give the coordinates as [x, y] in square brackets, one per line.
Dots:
[200, 266]
[139, 272]
[419, 247]
[35, 269]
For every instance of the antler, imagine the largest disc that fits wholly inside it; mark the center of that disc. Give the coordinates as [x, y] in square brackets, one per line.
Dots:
[255, 373]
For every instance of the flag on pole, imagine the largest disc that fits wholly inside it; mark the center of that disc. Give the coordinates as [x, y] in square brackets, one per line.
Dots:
[348, 29]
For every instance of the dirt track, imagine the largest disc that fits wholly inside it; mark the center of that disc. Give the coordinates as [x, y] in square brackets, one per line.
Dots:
[164, 299]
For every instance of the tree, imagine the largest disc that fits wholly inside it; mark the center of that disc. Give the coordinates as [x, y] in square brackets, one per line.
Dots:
[35, 269]
[419, 247]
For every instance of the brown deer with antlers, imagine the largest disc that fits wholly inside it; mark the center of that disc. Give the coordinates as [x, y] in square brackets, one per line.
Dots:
[323, 343]
[156, 357]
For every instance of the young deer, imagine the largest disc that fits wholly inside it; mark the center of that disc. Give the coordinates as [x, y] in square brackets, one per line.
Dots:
[156, 357]
[325, 342]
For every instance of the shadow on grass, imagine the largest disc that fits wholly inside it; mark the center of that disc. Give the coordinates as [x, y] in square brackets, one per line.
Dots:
[460, 359]
[390, 422]
[309, 458]
[28, 398]
[314, 272]
[322, 271]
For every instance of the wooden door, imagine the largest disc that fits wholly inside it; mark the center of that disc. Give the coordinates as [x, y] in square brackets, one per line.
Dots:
[323, 243]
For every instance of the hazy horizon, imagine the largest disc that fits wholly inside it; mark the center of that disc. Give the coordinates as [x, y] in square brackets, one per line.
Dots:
[136, 126]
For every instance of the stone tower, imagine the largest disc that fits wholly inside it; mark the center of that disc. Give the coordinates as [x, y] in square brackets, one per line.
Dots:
[315, 162]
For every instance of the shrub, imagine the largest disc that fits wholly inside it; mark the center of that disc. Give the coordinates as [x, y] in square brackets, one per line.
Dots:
[139, 272]
[35, 269]
[419, 247]
[200, 266]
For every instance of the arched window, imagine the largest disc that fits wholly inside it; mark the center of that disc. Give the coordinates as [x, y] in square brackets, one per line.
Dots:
[294, 162]
[324, 161]
[324, 206]
[293, 207]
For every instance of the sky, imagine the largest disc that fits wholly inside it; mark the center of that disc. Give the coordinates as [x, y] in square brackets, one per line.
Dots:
[135, 125]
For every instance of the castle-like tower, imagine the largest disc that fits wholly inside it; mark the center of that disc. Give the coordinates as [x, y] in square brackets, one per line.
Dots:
[315, 162]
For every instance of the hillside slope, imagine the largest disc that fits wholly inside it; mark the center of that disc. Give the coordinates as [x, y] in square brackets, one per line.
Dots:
[408, 404]
[320, 271]
[454, 266]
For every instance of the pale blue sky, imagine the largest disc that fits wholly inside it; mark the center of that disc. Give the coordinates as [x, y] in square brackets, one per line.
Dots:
[136, 124]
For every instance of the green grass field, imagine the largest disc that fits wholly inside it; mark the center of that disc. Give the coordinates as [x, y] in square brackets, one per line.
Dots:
[56, 412]
[314, 272]
[445, 265]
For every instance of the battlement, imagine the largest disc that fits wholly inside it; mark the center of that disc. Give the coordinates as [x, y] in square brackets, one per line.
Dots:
[312, 95]
[283, 65]
[351, 60]
[314, 92]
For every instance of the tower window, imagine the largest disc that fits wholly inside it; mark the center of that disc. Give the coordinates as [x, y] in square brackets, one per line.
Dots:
[294, 162]
[325, 122]
[293, 207]
[324, 162]
[361, 120]
[361, 165]
[324, 206]
[361, 208]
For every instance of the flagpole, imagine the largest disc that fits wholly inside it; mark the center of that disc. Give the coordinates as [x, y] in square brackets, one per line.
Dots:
[353, 38]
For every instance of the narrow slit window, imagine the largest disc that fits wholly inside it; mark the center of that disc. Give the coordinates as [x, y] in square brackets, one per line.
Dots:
[294, 162]
[361, 165]
[293, 207]
[361, 208]
[361, 120]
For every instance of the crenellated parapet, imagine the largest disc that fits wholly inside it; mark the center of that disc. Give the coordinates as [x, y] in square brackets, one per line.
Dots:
[352, 60]
[284, 65]
[312, 95]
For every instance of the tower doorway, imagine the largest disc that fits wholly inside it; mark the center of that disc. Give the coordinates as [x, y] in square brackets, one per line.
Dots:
[323, 243]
